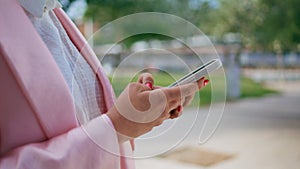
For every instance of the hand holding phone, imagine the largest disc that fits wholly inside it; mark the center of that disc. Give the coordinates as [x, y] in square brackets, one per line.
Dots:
[199, 72]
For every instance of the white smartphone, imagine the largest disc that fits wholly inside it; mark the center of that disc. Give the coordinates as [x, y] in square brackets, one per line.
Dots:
[199, 72]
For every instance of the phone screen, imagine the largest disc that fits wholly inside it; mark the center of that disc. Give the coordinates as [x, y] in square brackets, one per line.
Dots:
[198, 73]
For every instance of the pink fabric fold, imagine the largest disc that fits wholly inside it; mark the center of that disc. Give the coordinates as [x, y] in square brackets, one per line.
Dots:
[74, 149]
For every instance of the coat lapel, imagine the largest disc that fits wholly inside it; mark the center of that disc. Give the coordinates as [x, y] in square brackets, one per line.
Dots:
[84, 48]
[35, 70]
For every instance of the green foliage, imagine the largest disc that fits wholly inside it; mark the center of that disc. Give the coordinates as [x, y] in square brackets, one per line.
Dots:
[105, 11]
[249, 88]
[262, 24]
[281, 24]
[148, 36]
[237, 16]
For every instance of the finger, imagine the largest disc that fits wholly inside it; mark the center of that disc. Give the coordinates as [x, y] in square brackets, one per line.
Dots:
[202, 82]
[140, 105]
[164, 116]
[188, 100]
[145, 77]
[183, 100]
[134, 86]
[176, 112]
[174, 115]
[181, 91]
[172, 106]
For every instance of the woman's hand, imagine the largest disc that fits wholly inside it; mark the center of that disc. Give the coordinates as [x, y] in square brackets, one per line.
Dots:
[142, 106]
[185, 101]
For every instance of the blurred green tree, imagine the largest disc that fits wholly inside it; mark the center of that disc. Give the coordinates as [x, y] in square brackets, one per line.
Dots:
[104, 11]
[239, 17]
[262, 24]
[252, 24]
[280, 29]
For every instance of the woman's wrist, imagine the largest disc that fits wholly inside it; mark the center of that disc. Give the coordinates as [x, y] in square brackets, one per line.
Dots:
[118, 123]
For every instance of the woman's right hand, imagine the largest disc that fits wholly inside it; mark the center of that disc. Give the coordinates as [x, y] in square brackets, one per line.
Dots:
[139, 108]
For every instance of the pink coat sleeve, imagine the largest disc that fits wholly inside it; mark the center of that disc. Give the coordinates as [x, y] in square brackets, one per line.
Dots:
[91, 146]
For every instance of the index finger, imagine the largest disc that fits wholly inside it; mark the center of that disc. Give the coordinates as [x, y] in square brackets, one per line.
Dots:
[181, 91]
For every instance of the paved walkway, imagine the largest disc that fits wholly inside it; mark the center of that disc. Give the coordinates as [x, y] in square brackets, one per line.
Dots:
[261, 133]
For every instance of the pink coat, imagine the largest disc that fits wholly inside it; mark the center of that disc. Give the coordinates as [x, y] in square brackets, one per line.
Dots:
[38, 127]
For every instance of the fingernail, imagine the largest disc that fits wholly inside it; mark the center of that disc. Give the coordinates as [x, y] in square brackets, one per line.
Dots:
[179, 108]
[205, 82]
[149, 84]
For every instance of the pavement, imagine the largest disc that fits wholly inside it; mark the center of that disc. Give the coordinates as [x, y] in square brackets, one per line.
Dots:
[260, 133]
